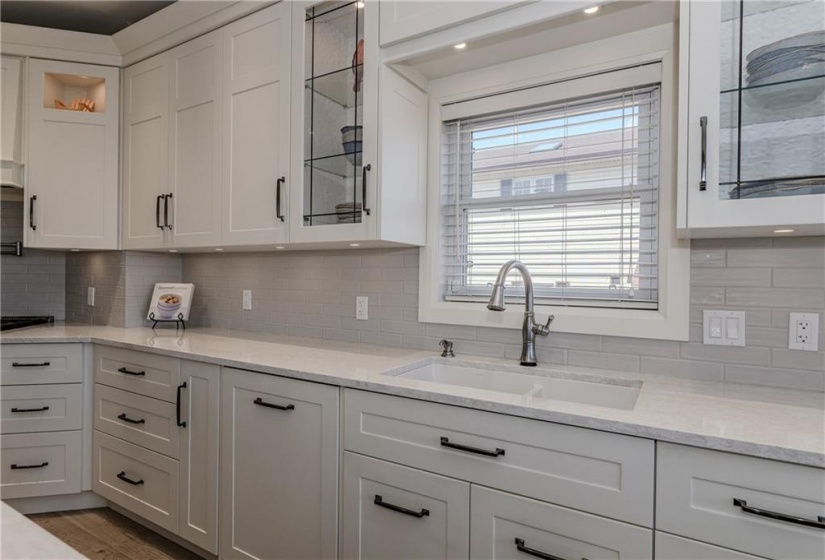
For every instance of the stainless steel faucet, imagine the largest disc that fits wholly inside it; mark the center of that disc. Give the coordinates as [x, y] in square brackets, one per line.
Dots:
[529, 328]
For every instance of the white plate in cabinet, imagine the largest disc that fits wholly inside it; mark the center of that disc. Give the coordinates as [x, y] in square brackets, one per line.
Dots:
[279, 467]
[31, 364]
[41, 408]
[141, 420]
[139, 372]
[140, 480]
[44, 464]
[506, 526]
[670, 547]
[392, 511]
[607, 474]
[733, 501]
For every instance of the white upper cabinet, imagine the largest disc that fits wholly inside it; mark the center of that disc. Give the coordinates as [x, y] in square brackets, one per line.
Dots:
[11, 116]
[256, 135]
[145, 152]
[72, 172]
[752, 118]
[194, 196]
[362, 129]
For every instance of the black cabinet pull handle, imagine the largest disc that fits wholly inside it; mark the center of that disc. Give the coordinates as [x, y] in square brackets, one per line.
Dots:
[181, 387]
[130, 372]
[130, 420]
[157, 211]
[41, 409]
[537, 553]
[15, 466]
[819, 523]
[364, 170]
[166, 199]
[122, 476]
[32, 200]
[379, 501]
[41, 364]
[259, 401]
[281, 181]
[703, 168]
[446, 443]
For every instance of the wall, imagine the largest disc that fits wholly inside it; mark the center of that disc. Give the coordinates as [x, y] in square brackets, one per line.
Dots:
[33, 284]
[313, 294]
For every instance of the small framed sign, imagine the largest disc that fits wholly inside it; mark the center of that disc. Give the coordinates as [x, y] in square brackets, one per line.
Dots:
[170, 302]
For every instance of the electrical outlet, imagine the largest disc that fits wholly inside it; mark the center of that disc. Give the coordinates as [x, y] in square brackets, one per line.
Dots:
[90, 296]
[247, 300]
[362, 308]
[803, 331]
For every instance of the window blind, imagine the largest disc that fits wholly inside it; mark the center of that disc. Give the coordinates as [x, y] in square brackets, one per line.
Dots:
[570, 188]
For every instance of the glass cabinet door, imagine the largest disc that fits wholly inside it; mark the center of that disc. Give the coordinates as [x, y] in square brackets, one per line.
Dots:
[333, 114]
[772, 99]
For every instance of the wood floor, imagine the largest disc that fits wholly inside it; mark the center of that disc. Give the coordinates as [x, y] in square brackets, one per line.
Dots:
[103, 534]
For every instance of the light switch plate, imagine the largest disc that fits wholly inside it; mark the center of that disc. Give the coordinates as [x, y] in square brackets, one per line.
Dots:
[723, 328]
[362, 308]
[247, 300]
[803, 331]
[90, 296]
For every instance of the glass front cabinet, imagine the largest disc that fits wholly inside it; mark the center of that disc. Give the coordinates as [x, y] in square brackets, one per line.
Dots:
[752, 115]
[358, 132]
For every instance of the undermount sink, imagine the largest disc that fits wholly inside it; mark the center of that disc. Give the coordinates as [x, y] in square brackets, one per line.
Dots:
[586, 392]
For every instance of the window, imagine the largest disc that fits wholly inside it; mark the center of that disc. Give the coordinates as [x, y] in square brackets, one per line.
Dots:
[569, 187]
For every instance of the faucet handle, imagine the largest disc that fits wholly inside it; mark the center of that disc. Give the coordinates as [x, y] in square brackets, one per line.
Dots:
[447, 348]
[543, 330]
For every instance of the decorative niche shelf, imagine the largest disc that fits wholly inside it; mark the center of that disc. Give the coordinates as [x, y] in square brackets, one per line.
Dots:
[79, 93]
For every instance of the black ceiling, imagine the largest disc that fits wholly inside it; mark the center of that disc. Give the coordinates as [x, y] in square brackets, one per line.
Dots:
[101, 17]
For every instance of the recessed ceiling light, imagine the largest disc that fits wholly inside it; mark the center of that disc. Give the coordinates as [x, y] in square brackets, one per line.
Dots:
[359, 4]
[783, 231]
[591, 10]
[460, 46]
[354, 244]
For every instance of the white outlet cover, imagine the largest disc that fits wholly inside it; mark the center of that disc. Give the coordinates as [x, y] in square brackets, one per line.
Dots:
[723, 328]
[362, 308]
[90, 296]
[803, 331]
[247, 300]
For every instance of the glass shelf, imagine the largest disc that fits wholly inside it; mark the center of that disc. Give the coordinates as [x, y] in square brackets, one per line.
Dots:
[341, 165]
[338, 86]
[789, 186]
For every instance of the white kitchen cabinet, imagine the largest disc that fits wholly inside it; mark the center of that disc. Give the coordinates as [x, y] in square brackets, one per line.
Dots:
[145, 152]
[752, 126]
[72, 157]
[11, 121]
[256, 135]
[395, 512]
[279, 467]
[360, 174]
[671, 547]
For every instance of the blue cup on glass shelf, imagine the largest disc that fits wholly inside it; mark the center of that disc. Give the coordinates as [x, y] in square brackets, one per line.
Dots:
[352, 150]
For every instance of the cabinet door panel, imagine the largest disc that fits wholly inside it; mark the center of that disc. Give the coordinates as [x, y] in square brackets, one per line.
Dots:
[436, 526]
[279, 467]
[669, 547]
[256, 133]
[195, 142]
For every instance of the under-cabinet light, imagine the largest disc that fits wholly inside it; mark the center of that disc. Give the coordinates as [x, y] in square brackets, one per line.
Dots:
[219, 248]
[591, 10]
[173, 250]
[359, 4]
[279, 247]
[783, 231]
[354, 244]
[460, 46]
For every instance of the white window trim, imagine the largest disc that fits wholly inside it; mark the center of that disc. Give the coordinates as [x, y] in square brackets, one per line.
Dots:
[671, 320]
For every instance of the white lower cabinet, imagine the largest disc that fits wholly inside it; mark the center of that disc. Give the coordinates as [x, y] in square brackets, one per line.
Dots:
[41, 464]
[279, 467]
[395, 512]
[670, 547]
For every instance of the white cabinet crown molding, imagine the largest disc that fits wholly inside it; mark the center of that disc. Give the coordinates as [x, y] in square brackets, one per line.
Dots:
[58, 44]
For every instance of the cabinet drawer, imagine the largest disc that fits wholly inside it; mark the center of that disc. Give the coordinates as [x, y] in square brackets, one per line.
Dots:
[139, 372]
[140, 480]
[41, 408]
[31, 364]
[608, 474]
[696, 491]
[503, 525]
[434, 521]
[670, 547]
[137, 419]
[53, 460]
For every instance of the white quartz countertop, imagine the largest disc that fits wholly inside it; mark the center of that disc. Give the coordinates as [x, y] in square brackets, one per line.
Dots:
[780, 424]
[23, 539]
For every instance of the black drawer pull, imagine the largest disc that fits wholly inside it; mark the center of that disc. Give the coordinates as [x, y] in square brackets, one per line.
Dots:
[743, 505]
[42, 364]
[130, 420]
[41, 409]
[16, 467]
[537, 553]
[445, 442]
[130, 372]
[181, 387]
[259, 401]
[379, 501]
[122, 476]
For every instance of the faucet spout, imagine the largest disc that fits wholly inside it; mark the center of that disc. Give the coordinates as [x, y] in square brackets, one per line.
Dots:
[529, 328]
